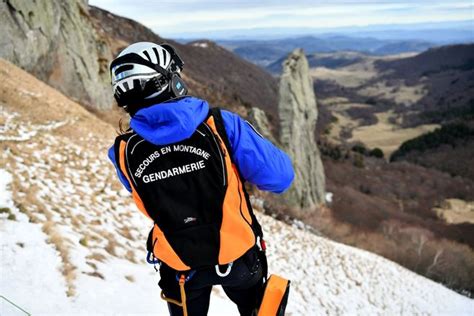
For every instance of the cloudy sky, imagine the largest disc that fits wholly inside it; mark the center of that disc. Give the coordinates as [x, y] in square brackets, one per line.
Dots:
[180, 17]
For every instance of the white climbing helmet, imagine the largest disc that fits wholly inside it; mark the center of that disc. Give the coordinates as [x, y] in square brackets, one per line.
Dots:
[143, 70]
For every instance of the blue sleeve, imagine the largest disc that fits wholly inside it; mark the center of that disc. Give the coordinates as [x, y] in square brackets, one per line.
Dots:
[121, 176]
[259, 161]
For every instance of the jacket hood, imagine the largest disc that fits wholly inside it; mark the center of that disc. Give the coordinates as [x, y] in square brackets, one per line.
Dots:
[171, 121]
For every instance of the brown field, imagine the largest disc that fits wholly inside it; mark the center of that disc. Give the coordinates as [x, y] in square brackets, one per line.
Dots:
[387, 136]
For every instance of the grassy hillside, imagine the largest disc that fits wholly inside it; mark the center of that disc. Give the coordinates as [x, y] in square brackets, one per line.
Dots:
[397, 210]
[419, 108]
[403, 92]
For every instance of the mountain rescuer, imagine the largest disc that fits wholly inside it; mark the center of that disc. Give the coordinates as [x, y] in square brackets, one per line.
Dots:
[185, 165]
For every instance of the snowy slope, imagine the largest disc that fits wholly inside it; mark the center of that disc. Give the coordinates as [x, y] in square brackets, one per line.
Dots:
[327, 278]
[72, 242]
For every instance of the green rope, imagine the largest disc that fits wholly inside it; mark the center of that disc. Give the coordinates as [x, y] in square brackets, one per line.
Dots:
[6, 299]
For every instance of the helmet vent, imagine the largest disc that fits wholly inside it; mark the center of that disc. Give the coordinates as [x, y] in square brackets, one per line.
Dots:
[160, 57]
[136, 83]
[147, 55]
[123, 68]
[125, 85]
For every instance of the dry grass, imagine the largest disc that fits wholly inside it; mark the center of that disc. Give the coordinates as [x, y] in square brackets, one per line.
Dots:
[345, 77]
[95, 274]
[21, 90]
[61, 244]
[61, 155]
[97, 257]
[29, 204]
[84, 241]
[419, 246]
[126, 232]
[111, 247]
[75, 222]
[363, 81]
[456, 211]
[335, 129]
[94, 237]
[333, 101]
[386, 135]
[92, 265]
[354, 75]
[5, 210]
[130, 278]
[96, 222]
[130, 256]
[351, 76]
[415, 248]
[342, 122]
[398, 92]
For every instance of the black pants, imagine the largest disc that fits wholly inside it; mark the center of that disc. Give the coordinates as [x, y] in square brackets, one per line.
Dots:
[243, 286]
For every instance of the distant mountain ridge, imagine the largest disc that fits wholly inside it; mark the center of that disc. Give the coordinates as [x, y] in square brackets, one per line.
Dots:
[446, 32]
[435, 60]
[328, 60]
[266, 52]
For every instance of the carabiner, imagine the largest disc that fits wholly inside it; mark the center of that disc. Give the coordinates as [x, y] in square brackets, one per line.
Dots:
[226, 273]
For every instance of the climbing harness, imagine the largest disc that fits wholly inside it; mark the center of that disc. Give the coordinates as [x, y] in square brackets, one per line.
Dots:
[151, 259]
[182, 279]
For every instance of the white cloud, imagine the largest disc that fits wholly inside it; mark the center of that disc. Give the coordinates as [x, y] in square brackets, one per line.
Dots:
[179, 17]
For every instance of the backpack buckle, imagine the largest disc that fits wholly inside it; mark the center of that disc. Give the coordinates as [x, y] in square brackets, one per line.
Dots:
[262, 246]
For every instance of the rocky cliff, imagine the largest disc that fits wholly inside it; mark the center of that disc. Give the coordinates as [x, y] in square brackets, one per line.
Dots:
[259, 119]
[56, 41]
[298, 114]
[69, 45]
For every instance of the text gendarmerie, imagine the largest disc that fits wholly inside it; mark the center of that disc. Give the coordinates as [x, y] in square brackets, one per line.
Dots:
[164, 174]
[165, 150]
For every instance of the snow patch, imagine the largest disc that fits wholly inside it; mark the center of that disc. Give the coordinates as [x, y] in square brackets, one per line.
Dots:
[30, 266]
[201, 44]
[14, 130]
[328, 197]
[5, 191]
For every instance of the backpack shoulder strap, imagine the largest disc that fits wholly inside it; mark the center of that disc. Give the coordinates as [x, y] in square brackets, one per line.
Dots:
[118, 139]
[219, 121]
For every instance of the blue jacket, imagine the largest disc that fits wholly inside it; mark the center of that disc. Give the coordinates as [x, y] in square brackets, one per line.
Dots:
[258, 160]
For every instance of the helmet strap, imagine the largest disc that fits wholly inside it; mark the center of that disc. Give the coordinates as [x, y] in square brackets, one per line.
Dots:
[137, 59]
